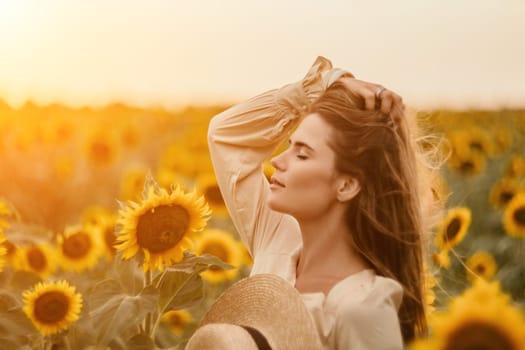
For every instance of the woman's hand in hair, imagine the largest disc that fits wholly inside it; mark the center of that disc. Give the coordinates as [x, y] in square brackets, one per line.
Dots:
[386, 102]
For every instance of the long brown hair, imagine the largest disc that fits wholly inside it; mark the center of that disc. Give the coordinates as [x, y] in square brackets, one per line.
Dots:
[385, 218]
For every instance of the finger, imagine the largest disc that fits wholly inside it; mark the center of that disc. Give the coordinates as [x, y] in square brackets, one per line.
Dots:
[398, 101]
[386, 102]
[370, 99]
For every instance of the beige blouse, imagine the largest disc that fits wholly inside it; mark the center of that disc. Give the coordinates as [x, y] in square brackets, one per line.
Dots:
[360, 311]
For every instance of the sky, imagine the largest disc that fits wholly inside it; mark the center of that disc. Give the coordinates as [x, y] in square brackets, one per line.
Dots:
[454, 54]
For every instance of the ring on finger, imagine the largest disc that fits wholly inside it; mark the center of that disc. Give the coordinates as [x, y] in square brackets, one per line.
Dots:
[378, 92]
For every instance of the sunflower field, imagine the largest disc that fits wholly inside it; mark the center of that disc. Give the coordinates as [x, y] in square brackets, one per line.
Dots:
[114, 235]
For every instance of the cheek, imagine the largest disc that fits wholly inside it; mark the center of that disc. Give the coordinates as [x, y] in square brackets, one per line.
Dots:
[307, 193]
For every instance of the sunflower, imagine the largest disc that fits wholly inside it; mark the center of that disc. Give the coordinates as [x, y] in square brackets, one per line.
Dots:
[481, 318]
[52, 306]
[481, 264]
[207, 186]
[177, 320]
[221, 244]
[96, 215]
[36, 258]
[79, 247]
[7, 213]
[502, 139]
[178, 160]
[132, 183]
[10, 250]
[268, 169]
[59, 130]
[467, 162]
[130, 135]
[162, 225]
[166, 177]
[516, 167]
[466, 140]
[514, 216]
[453, 228]
[503, 191]
[429, 284]
[104, 225]
[63, 167]
[442, 258]
[100, 148]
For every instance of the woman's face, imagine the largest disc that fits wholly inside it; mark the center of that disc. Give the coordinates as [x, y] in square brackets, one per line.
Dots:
[304, 182]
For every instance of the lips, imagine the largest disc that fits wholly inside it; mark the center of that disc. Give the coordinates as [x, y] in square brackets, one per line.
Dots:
[274, 181]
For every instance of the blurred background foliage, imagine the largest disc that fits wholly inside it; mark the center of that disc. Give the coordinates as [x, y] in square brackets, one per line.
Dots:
[63, 172]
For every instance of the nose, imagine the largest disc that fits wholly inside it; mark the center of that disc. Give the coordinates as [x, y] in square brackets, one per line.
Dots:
[278, 162]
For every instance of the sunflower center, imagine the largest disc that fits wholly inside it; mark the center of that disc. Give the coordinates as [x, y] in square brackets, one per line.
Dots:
[519, 216]
[76, 246]
[51, 307]
[36, 259]
[219, 251]
[477, 145]
[453, 229]
[162, 227]
[175, 320]
[506, 196]
[480, 269]
[100, 151]
[467, 166]
[213, 195]
[479, 336]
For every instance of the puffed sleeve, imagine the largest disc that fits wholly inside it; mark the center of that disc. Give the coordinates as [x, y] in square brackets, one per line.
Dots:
[241, 138]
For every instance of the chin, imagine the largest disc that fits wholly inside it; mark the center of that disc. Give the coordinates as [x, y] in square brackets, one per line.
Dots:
[276, 206]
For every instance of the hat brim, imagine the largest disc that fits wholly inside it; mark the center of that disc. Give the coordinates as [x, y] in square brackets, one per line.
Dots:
[271, 305]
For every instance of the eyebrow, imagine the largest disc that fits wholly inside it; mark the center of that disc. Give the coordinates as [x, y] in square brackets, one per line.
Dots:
[300, 144]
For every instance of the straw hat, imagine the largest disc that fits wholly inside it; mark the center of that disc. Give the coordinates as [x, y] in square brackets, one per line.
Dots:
[263, 304]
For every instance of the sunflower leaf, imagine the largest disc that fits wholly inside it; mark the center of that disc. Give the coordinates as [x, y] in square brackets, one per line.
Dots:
[8, 300]
[178, 290]
[128, 274]
[192, 263]
[140, 342]
[15, 324]
[122, 312]
[102, 292]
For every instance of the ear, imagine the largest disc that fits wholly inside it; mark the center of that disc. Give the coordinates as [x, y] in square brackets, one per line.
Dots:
[348, 187]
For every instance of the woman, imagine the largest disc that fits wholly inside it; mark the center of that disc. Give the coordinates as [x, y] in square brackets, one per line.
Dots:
[340, 217]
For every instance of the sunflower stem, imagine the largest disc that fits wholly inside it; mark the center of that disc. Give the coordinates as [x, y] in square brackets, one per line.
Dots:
[147, 324]
[66, 343]
[160, 279]
[159, 316]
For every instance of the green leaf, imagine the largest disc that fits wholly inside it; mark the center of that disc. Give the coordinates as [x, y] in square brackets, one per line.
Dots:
[140, 342]
[179, 290]
[15, 323]
[121, 312]
[197, 263]
[128, 273]
[102, 292]
[180, 285]
[8, 300]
